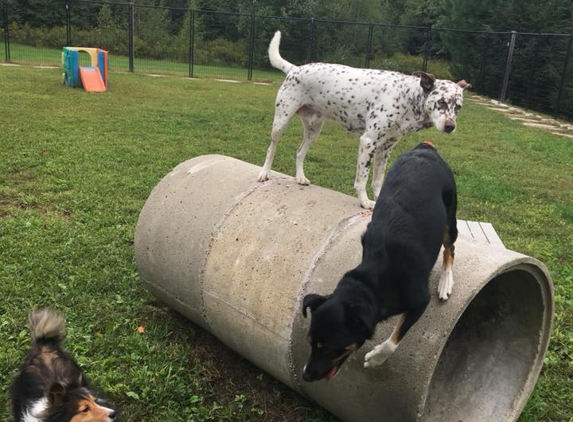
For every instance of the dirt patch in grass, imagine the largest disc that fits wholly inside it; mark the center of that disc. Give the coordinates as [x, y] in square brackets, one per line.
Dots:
[232, 377]
[13, 199]
[22, 177]
[11, 203]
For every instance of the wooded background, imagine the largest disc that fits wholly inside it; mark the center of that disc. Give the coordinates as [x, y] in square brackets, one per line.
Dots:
[457, 39]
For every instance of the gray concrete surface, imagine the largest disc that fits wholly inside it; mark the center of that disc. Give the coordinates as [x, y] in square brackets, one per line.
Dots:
[237, 257]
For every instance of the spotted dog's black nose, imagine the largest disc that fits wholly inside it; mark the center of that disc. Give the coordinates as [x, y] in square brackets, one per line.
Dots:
[449, 128]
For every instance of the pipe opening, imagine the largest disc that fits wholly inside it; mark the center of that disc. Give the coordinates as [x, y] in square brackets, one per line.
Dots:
[483, 371]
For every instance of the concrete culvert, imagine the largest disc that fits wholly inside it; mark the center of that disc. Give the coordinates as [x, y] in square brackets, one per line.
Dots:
[491, 360]
[237, 257]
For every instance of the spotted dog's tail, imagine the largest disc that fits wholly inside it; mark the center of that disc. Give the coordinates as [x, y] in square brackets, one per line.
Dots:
[48, 327]
[275, 57]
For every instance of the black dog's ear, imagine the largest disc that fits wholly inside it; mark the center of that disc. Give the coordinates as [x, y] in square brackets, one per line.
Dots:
[57, 394]
[426, 81]
[312, 301]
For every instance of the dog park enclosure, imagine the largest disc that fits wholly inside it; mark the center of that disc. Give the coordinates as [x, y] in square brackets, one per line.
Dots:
[527, 68]
[236, 257]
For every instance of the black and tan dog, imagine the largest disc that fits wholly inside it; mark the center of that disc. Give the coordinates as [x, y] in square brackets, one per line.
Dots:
[414, 215]
[51, 386]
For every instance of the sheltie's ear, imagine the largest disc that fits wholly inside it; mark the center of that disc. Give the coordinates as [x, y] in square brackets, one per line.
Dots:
[57, 394]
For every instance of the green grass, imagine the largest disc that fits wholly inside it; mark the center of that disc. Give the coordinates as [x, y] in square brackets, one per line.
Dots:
[48, 56]
[76, 169]
[53, 57]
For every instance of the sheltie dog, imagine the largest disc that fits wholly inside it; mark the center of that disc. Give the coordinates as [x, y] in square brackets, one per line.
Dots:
[50, 386]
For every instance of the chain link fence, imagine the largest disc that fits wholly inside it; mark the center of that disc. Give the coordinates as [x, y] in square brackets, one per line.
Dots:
[526, 69]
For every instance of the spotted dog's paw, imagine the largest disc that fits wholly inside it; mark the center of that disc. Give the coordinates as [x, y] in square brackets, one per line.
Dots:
[263, 176]
[367, 204]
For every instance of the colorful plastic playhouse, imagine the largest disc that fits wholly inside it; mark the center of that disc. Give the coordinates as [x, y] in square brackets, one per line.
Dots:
[92, 78]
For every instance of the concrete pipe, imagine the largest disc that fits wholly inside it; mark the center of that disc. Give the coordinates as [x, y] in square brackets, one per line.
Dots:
[237, 257]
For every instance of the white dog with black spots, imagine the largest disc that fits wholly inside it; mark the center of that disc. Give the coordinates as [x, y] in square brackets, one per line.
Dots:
[379, 107]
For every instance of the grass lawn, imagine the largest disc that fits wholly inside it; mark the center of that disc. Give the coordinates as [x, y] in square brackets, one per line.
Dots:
[25, 54]
[76, 169]
[53, 57]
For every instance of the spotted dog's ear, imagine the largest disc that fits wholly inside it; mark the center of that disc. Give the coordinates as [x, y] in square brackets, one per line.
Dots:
[463, 84]
[426, 80]
[312, 301]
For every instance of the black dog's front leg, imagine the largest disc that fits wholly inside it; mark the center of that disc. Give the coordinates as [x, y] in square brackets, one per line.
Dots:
[383, 351]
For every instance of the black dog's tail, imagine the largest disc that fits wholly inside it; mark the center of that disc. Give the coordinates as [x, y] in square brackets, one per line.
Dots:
[48, 327]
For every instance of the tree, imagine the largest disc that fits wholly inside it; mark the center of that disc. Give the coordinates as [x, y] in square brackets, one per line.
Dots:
[537, 61]
[37, 13]
[152, 32]
[105, 18]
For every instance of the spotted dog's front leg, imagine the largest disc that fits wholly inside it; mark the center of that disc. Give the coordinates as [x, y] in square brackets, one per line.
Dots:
[365, 154]
[380, 160]
[312, 122]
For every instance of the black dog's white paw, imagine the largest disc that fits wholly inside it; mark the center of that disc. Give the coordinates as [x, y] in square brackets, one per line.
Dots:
[379, 354]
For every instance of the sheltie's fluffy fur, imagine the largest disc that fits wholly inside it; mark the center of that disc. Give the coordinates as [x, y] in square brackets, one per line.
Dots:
[51, 386]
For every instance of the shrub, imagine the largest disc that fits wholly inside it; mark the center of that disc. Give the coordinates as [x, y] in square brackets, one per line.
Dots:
[21, 34]
[409, 64]
[221, 51]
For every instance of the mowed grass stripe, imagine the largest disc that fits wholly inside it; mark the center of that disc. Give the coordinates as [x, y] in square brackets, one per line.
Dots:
[76, 169]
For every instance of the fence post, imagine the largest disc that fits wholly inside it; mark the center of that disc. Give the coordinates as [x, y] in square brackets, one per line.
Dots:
[191, 42]
[68, 24]
[369, 46]
[563, 76]
[310, 51]
[6, 31]
[427, 49]
[508, 66]
[251, 48]
[130, 30]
